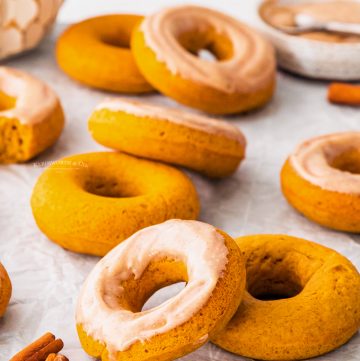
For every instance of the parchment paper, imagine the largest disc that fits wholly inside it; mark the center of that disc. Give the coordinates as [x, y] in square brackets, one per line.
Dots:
[46, 279]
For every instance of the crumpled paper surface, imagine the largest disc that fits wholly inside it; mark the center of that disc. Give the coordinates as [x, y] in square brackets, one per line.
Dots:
[46, 279]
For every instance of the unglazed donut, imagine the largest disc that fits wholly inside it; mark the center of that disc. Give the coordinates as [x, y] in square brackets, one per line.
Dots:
[89, 203]
[96, 52]
[321, 179]
[31, 116]
[302, 300]
[109, 319]
[5, 290]
[212, 147]
[166, 45]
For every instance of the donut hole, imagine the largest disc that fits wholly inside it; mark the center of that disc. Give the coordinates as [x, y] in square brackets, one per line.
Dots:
[347, 161]
[116, 37]
[272, 278]
[269, 289]
[115, 42]
[207, 45]
[145, 292]
[206, 54]
[111, 187]
[6, 102]
[162, 295]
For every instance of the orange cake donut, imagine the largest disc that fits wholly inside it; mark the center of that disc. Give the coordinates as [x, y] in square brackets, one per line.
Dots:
[302, 300]
[31, 116]
[321, 179]
[89, 203]
[96, 52]
[166, 47]
[212, 147]
[109, 316]
[5, 290]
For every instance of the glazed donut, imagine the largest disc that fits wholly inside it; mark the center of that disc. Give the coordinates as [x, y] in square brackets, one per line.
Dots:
[31, 116]
[302, 300]
[96, 52]
[109, 316]
[23, 24]
[212, 147]
[91, 202]
[166, 45]
[5, 290]
[321, 179]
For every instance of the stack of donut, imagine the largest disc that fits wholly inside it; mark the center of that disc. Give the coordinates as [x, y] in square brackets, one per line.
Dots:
[267, 297]
[165, 55]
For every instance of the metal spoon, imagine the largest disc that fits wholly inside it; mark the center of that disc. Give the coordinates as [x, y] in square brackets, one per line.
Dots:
[305, 23]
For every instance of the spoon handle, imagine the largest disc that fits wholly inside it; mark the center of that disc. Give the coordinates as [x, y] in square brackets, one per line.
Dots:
[344, 28]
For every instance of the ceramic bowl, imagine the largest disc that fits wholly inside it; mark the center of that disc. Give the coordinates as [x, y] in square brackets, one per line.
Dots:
[313, 58]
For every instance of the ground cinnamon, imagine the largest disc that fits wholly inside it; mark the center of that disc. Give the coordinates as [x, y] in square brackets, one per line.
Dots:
[346, 94]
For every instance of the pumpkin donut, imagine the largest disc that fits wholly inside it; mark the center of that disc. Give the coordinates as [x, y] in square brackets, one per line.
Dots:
[91, 202]
[109, 317]
[166, 45]
[5, 290]
[321, 179]
[302, 300]
[31, 116]
[96, 52]
[212, 147]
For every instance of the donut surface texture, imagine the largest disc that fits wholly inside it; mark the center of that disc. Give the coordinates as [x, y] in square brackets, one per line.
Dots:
[302, 300]
[5, 290]
[167, 48]
[209, 146]
[109, 316]
[321, 179]
[95, 52]
[31, 116]
[89, 203]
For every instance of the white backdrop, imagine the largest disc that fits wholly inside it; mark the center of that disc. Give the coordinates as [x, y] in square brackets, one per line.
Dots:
[74, 10]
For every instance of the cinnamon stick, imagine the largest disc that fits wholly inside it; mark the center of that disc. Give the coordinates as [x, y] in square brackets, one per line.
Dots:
[40, 349]
[346, 94]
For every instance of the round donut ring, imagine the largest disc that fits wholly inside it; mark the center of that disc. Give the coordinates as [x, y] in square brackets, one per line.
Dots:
[321, 179]
[5, 290]
[31, 116]
[166, 45]
[109, 316]
[96, 52]
[209, 146]
[89, 203]
[302, 300]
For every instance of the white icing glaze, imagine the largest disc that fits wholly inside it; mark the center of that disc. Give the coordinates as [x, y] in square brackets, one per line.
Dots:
[312, 161]
[35, 101]
[252, 66]
[11, 41]
[23, 23]
[197, 244]
[195, 121]
[21, 12]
